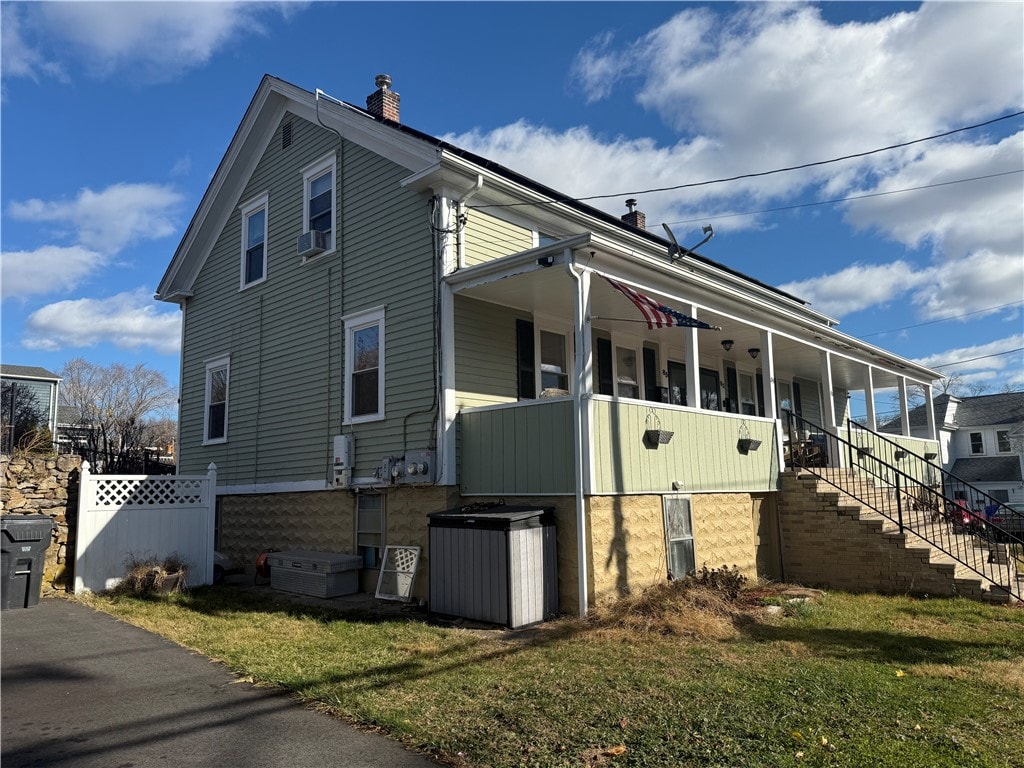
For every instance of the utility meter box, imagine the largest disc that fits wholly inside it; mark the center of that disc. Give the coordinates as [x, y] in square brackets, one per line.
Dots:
[418, 467]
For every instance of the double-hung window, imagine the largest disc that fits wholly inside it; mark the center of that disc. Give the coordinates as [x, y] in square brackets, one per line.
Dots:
[364, 366]
[318, 199]
[977, 443]
[215, 419]
[254, 241]
[1003, 443]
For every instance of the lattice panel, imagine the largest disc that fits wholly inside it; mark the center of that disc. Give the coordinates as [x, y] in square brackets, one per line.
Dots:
[149, 492]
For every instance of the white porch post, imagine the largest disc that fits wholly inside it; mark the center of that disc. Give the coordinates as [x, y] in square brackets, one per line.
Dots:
[692, 354]
[901, 384]
[771, 401]
[582, 391]
[446, 422]
[929, 409]
[828, 406]
[869, 398]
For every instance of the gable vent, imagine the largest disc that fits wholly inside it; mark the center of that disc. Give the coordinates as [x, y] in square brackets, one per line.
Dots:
[286, 135]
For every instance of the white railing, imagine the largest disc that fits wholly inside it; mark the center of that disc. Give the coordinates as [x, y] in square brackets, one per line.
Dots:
[121, 517]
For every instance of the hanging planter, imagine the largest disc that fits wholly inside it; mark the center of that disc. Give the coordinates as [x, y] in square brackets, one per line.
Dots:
[654, 435]
[745, 444]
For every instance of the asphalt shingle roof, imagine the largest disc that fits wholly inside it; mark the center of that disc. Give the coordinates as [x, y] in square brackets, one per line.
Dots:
[979, 411]
[988, 469]
[27, 371]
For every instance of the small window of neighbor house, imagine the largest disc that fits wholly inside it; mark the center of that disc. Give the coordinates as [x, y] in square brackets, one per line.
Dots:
[977, 443]
[1003, 441]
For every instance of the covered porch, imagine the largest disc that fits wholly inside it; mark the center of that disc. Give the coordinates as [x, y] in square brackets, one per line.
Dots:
[553, 324]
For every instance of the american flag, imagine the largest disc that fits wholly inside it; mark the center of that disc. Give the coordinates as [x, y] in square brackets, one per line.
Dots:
[657, 314]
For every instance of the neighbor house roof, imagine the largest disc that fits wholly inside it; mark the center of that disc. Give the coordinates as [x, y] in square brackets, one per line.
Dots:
[988, 469]
[27, 372]
[979, 411]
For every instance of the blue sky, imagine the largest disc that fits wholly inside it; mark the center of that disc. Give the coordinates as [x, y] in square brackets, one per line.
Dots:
[116, 115]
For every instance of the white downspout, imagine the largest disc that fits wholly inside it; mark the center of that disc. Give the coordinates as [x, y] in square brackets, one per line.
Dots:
[459, 214]
[580, 300]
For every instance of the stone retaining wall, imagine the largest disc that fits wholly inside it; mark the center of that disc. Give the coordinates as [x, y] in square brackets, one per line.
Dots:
[46, 486]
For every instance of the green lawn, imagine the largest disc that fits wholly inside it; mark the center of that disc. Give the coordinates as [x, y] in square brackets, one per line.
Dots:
[859, 680]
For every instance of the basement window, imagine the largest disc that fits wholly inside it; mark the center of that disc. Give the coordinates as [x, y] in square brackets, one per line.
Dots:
[369, 528]
[679, 536]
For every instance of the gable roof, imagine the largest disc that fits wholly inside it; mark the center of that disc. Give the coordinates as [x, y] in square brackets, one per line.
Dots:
[28, 372]
[407, 146]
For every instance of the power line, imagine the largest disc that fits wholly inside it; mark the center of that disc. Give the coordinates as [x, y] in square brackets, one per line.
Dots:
[846, 199]
[941, 320]
[762, 173]
[983, 357]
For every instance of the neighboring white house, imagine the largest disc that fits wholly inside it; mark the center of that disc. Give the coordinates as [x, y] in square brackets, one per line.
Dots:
[981, 440]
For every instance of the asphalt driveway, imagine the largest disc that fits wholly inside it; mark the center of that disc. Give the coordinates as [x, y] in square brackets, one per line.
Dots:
[80, 688]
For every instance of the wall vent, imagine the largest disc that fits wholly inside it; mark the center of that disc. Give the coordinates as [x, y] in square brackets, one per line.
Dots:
[286, 135]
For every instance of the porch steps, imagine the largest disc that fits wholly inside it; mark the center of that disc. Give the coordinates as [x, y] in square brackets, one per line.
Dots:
[861, 549]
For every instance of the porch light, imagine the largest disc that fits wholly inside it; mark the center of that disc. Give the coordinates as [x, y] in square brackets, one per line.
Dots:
[754, 352]
[727, 344]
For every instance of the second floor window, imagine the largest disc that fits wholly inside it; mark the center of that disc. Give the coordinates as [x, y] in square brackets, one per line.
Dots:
[977, 443]
[318, 199]
[1003, 440]
[254, 241]
[215, 423]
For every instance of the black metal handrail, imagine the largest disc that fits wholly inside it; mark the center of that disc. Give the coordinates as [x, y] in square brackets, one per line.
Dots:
[917, 495]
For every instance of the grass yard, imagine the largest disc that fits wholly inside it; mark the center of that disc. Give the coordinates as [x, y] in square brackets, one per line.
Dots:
[675, 678]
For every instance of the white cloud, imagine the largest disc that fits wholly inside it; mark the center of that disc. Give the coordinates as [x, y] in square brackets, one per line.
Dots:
[981, 357]
[50, 269]
[976, 281]
[110, 219]
[151, 41]
[17, 57]
[128, 320]
[858, 287]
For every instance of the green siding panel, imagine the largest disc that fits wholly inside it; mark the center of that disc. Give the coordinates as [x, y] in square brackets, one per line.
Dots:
[702, 455]
[488, 237]
[285, 335]
[520, 449]
[485, 353]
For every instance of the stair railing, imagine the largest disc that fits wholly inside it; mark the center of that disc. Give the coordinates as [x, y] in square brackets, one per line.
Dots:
[912, 491]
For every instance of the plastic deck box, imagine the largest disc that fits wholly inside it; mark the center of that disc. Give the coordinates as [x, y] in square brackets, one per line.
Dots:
[316, 574]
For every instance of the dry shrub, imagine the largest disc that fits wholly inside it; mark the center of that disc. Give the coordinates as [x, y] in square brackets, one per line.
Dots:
[145, 577]
[692, 608]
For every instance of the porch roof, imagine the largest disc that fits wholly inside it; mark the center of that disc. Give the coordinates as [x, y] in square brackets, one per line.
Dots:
[537, 281]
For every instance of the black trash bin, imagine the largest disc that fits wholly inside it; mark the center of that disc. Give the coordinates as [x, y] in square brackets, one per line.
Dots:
[24, 540]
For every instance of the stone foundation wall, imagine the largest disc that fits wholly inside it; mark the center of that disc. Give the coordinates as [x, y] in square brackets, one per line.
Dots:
[46, 486]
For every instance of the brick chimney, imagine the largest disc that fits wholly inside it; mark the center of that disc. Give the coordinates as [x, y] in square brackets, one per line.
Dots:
[634, 217]
[383, 103]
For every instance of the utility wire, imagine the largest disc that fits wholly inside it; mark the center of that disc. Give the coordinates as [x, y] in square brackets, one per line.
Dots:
[763, 173]
[983, 357]
[940, 320]
[846, 199]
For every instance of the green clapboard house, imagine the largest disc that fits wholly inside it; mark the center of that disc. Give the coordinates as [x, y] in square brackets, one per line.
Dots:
[378, 325]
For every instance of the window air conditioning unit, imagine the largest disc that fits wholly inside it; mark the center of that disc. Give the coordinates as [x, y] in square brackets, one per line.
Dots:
[311, 243]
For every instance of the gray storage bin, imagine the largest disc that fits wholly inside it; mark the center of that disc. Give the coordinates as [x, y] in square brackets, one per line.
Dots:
[496, 565]
[317, 574]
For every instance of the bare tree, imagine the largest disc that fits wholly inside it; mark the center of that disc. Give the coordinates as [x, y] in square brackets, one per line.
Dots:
[111, 407]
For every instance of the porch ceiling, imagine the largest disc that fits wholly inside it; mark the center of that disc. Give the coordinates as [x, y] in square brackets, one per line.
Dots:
[549, 292]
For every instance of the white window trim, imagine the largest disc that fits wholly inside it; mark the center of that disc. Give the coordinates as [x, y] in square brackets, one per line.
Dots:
[970, 443]
[551, 325]
[1009, 440]
[212, 365]
[355, 322]
[309, 173]
[636, 343]
[248, 209]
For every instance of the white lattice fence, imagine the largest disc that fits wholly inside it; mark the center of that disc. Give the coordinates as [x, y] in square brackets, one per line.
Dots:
[142, 516]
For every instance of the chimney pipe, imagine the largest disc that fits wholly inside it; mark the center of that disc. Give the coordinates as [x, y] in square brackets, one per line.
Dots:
[635, 218]
[383, 103]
